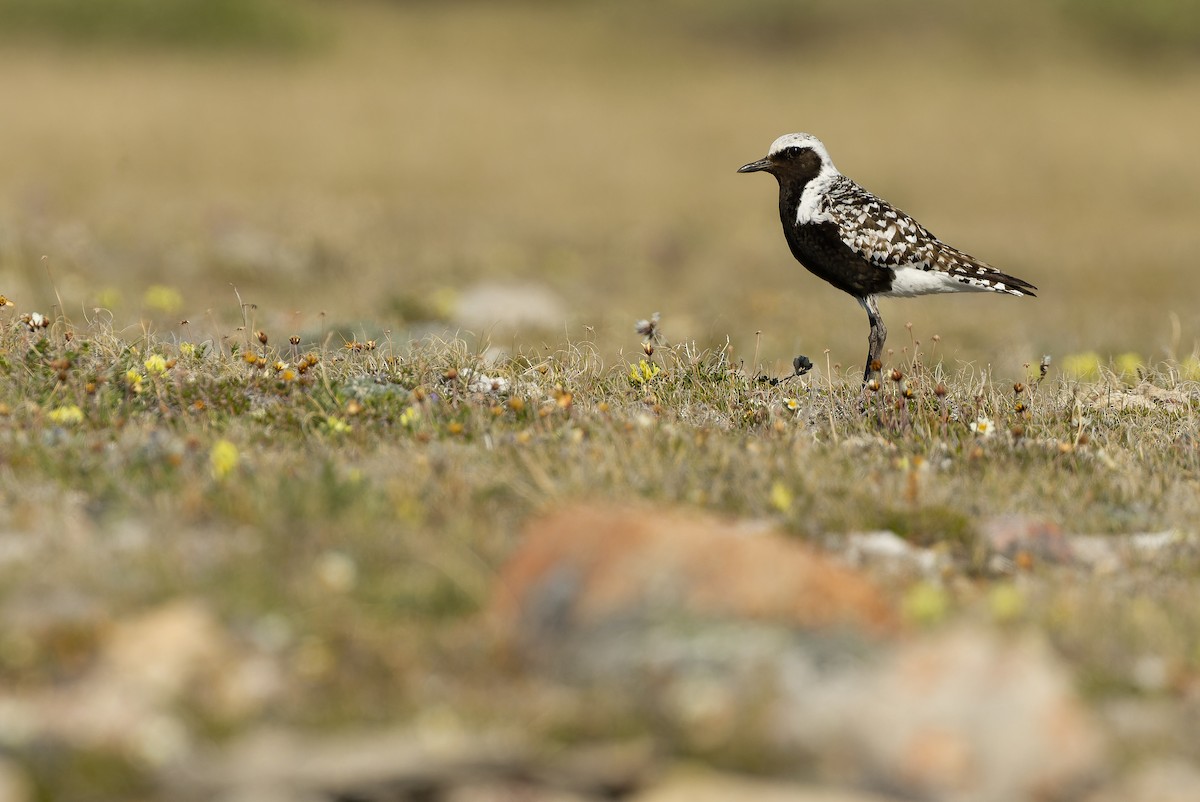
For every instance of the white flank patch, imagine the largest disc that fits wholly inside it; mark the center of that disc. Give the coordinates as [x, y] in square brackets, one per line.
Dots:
[912, 281]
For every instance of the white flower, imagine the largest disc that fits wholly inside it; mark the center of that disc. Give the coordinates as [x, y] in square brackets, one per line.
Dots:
[983, 427]
[35, 320]
[489, 384]
[336, 570]
[482, 383]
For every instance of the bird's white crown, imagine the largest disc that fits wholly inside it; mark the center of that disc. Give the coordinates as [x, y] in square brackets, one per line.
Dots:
[802, 140]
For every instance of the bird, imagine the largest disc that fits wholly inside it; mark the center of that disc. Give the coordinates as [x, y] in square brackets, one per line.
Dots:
[862, 244]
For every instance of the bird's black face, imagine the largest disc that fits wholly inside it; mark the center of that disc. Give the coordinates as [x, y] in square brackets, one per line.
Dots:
[796, 161]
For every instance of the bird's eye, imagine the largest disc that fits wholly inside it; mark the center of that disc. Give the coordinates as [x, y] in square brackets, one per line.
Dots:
[792, 152]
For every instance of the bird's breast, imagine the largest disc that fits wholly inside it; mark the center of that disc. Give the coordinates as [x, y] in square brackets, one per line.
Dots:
[821, 250]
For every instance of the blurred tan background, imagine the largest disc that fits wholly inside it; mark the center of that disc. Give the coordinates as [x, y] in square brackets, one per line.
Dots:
[402, 168]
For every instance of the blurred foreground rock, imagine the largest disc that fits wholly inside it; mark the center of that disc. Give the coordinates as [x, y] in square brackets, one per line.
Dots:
[730, 643]
[710, 786]
[14, 785]
[970, 715]
[589, 567]
[888, 555]
[401, 765]
[1159, 781]
[1021, 541]
[128, 702]
[744, 641]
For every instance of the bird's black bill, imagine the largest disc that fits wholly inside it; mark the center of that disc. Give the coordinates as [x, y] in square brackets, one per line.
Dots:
[754, 167]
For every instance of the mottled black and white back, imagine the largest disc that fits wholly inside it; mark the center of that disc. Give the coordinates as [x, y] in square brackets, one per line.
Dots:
[862, 244]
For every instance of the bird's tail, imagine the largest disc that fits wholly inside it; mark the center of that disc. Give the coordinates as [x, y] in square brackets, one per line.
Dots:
[1011, 285]
[984, 276]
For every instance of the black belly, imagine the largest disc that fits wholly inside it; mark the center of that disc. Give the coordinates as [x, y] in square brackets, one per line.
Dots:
[818, 247]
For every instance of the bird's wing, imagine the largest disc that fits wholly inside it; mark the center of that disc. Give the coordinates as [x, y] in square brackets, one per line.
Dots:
[886, 237]
[877, 231]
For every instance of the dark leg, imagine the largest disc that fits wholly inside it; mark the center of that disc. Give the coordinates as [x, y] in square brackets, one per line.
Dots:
[876, 339]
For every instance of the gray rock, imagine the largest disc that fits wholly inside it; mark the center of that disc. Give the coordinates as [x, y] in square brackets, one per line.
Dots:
[486, 306]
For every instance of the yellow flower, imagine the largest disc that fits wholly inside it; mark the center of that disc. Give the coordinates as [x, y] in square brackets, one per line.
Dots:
[156, 365]
[791, 404]
[223, 458]
[409, 417]
[163, 298]
[133, 380]
[108, 298]
[781, 497]
[1127, 364]
[66, 415]
[444, 301]
[925, 604]
[1082, 366]
[335, 425]
[1006, 602]
[643, 372]
[187, 349]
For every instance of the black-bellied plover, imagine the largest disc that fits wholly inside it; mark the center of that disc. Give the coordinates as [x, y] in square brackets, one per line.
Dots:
[862, 244]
